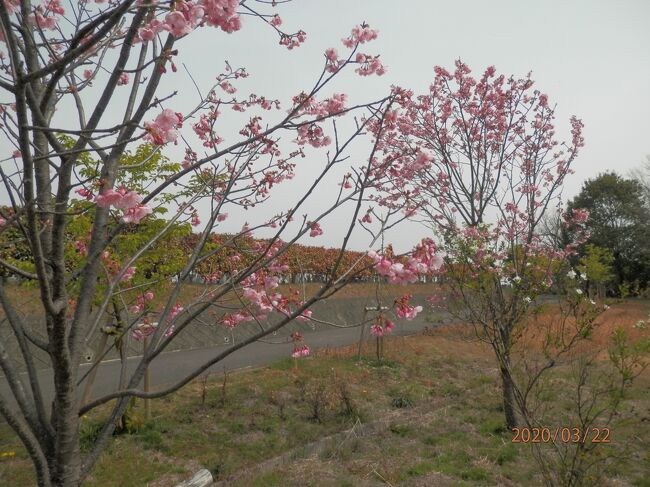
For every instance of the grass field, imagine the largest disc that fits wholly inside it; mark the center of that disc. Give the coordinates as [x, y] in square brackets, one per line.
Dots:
[428, 413]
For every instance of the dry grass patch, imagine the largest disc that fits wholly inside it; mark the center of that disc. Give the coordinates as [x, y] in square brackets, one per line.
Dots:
[429, 413]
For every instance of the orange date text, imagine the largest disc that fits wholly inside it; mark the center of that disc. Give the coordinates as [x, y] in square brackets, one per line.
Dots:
[562, 434]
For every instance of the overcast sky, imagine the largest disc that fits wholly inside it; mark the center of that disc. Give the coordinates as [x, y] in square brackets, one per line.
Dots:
[589, 56]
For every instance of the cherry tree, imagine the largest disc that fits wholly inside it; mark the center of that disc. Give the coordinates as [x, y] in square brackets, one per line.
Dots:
[478, 160]
[81, 89]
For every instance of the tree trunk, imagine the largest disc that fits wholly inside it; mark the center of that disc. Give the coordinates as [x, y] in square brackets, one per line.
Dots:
[65, 466]
[509, 404]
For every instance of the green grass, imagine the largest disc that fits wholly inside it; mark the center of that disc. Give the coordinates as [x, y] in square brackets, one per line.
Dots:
[419, 469]
[427, 414]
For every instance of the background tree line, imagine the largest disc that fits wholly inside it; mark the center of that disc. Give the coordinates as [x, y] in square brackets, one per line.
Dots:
[616, 256]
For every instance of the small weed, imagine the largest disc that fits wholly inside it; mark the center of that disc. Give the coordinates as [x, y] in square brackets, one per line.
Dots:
[474, 473]
[507, 454]
[444, 438]
[217, 469]
[236, 427]
[279, 400]
[270, 479]
[343, 452]
[419, 469]
[450, 389]
[400, 429]
[492, 426]
[151, 438]
[402, 402]
[185, 417]
[284, 364]
[382, 363]
[88, 434]
[131, 421]
[348, 406]
[318, 397]
[482, 380]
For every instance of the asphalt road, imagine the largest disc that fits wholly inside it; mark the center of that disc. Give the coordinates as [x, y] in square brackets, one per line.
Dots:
[170, 367]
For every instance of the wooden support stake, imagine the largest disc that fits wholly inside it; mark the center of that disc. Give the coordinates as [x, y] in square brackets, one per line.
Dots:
[363, 329]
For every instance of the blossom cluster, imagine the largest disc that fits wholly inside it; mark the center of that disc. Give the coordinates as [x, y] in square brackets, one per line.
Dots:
[423, 260]
[188, 15]
[369, 64]
[164, 128]
[468, 123]
[360, 34]
[299, 348]
[128, 201]
[382, 326]
[260, 291]
[300, 351]
[403, 309]
[141, 302]
[147, 327]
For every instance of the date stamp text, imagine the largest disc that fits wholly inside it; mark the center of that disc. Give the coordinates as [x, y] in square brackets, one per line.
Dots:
[563, 434]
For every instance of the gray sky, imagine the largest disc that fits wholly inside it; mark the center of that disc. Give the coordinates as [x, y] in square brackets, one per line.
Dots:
[589, 56]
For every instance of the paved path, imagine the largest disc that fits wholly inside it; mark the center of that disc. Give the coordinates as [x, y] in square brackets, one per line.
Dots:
[173, 366]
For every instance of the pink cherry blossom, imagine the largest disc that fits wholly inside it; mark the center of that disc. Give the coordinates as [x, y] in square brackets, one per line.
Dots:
[45, 22]
[382, 326]
[149, 31]
[377, 330]
[163, 129]
[300, 351]
[359, 35]
[143, 330]
[107, 198]
[404, 310]
[369, 65]
[294, 40]
[579, 215]
[222, 14]
[11, 5]
[316, 230]
[175, 311]
[313, 135]
[84, 193]
[332, 61]
[177, 24]
[304, 316]
[424, 259]
[137, 213]
[227, 87]
[128, 274]
[231, 320]
[121, 198]
[130, 199]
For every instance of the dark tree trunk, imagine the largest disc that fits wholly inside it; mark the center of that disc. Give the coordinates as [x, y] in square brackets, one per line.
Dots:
[509, 403]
